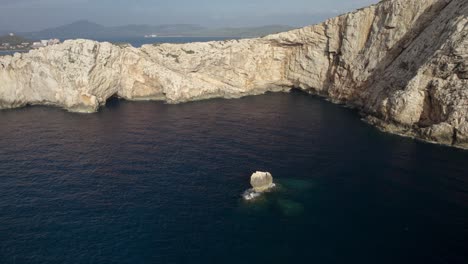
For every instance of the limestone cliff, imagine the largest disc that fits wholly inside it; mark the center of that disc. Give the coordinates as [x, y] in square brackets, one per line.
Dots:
[402, 62]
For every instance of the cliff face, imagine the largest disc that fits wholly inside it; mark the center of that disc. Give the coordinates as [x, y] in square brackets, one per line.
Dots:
[402, 62]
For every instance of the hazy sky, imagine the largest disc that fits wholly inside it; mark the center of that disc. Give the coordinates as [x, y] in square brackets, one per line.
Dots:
[29, 15]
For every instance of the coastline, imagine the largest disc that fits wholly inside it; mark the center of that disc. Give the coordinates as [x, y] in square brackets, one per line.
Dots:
[387, 72]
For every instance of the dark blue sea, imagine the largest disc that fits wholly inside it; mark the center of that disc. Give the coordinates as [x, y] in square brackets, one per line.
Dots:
[10, 52]
[148, 182]
[139, 41]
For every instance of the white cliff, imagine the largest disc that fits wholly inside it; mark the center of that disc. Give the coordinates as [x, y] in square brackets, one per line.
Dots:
[402, 62]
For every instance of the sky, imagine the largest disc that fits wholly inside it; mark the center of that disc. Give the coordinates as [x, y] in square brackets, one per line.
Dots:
[32, 15]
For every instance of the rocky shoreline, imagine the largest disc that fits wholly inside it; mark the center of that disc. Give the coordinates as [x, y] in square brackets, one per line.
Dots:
[402, 63]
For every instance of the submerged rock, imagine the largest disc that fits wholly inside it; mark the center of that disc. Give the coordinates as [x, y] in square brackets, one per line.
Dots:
[290, 207]
[250, 194]
[297, 185]
[261, 181]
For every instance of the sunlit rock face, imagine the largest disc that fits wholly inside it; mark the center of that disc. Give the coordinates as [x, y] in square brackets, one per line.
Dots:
[402, 62]
[261, 181]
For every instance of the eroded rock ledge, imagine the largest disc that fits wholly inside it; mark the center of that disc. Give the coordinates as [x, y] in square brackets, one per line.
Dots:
[402, 62]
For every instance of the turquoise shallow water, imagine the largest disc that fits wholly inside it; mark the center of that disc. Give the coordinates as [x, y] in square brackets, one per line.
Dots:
[147, 182]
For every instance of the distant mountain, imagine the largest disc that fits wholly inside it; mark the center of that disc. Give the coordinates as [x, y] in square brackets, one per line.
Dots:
[79, 29]
[87, 29]
[90, 30]
[13, 40]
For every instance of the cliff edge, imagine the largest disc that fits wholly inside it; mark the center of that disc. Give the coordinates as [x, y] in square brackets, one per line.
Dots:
[403, 63]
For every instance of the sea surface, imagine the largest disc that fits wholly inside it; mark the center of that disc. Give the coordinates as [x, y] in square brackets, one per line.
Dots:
[140, 41]
[10, 52]
[149, 182]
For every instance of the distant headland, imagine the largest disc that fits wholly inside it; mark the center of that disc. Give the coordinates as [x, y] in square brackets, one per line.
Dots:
[12, 42]
[90, 30]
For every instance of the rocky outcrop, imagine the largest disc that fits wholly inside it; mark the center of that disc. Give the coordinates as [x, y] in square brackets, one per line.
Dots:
[261, 181]
[402, 62]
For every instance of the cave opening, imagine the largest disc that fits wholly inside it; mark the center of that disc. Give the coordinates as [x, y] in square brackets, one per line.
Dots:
[113, 101]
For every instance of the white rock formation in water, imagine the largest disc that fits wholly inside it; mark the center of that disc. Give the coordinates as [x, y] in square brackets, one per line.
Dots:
[261, 181]
[403, 63]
